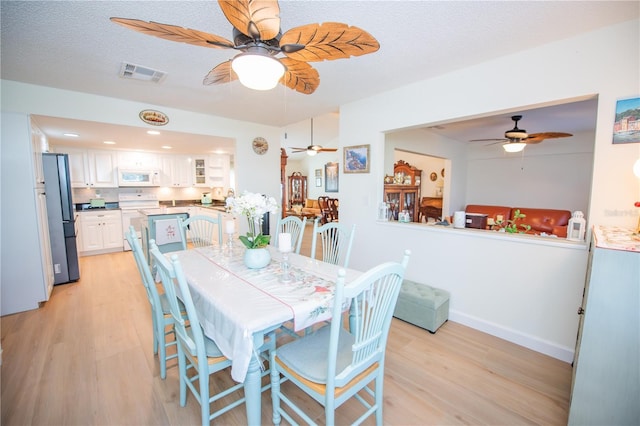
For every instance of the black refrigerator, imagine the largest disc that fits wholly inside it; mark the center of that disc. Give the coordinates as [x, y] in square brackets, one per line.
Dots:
[62, 225]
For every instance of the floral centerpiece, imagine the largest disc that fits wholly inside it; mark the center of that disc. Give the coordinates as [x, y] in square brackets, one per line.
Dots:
[253, 207]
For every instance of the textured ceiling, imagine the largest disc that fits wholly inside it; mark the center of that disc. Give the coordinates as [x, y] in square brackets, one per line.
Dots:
[72, 45]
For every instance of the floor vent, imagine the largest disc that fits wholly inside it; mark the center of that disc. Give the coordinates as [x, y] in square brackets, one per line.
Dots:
[138, 72]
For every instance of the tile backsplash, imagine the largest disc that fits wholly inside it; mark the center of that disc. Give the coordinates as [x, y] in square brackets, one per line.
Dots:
[83, 195]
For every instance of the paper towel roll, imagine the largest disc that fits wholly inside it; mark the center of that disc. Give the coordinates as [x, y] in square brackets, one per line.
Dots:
[459, 219]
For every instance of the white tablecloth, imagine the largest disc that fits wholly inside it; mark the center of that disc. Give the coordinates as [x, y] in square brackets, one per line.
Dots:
[235, 303]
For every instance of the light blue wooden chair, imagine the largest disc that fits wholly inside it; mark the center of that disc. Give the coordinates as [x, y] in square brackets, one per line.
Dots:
[333, 364]
[294, 226]
[336, 241]
[160, 314]
[195, 350]
[201, 230]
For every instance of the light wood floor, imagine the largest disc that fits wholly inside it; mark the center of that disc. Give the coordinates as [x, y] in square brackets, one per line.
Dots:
[85, 358]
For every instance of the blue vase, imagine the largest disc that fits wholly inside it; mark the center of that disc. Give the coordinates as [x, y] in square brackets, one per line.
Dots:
[257, 258]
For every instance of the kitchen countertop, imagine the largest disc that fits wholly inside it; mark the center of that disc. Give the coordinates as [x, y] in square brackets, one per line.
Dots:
[85, 207]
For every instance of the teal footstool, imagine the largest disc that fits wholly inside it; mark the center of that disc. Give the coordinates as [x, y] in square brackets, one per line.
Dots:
[422, 305]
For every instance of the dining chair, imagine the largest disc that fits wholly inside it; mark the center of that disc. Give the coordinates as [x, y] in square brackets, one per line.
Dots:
[335, 364]
[323, 203]
[294, 226]
[195, 350]
[201, 230]
[333, 208]
[161, 319]
[336, 240]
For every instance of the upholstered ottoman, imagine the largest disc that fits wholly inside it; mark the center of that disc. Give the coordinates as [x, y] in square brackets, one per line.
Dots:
[422, 305]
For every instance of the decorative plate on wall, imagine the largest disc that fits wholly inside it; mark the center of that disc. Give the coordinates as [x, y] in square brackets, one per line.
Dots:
[260, 145]
[433, 176]
[155, 118]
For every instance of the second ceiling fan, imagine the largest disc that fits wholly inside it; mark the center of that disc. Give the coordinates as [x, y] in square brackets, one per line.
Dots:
[313, 149]
[516, 139]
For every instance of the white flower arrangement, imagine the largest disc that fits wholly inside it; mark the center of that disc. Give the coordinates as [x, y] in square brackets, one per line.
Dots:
[253, 206]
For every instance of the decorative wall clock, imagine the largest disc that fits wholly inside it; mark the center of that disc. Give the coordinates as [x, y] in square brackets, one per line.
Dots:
[260, 145]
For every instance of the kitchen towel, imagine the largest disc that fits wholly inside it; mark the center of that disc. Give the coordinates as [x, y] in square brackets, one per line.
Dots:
[167, 232]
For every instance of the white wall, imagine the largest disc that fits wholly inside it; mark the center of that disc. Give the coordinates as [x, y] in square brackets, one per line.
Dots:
[523, 291]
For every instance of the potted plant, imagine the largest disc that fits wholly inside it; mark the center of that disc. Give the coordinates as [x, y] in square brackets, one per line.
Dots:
[511, 226]
[253, 207]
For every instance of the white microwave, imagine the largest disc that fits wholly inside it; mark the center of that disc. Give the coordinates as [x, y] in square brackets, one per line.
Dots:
[138, 177]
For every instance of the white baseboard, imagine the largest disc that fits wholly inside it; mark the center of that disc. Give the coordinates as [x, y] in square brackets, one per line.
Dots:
[531, 342]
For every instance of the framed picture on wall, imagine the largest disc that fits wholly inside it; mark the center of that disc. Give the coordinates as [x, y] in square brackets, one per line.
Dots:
[626, 127]
[319, 181]
[356, 159]
[331, 177]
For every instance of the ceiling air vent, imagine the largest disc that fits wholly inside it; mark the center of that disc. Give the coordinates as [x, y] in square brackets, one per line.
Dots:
[138, 72]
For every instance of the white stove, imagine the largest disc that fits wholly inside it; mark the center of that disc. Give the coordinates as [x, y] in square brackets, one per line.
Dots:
[130, 205]
[138, 201]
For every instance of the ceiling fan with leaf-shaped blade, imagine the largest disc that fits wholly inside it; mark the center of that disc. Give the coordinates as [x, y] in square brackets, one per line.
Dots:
[515, 139]
[257, 34]
[313, 149]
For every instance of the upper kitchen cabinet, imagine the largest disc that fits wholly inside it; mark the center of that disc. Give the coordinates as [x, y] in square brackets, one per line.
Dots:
[92, 168]
[219, 169]
[138, 160]
[39, 145]
[199, 171]
[177, 171]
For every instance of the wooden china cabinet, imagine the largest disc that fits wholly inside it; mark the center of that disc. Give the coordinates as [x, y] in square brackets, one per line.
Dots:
[404, 192]
[297, 189]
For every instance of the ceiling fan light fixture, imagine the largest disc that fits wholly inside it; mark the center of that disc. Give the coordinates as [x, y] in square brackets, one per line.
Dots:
[311, 152]
[514, 146]
[257, 71]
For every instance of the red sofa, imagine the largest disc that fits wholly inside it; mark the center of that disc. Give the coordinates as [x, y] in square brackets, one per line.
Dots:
[548, 221]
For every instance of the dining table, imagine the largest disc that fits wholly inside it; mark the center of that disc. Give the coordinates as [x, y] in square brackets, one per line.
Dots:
[239, 307]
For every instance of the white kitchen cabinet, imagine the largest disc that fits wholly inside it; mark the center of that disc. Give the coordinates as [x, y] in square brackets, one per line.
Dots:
[39, 146]
[176, 171]
[100, 232]
[219, 168]
[45, 242]
[26, 272]
[606, 381]
[138, 160]
[199, 171]
[92, 168]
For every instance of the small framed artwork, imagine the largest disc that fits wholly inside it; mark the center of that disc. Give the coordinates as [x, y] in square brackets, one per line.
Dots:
[626, 128]
[331, 177]
[356, 159]
[319, 181]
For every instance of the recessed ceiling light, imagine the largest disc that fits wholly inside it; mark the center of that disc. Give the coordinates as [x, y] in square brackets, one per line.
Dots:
[153, 132]
[109, 142]
[71, 135]
[166, 147]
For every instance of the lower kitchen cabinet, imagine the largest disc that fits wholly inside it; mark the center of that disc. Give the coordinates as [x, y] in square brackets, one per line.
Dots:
[100, 232]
